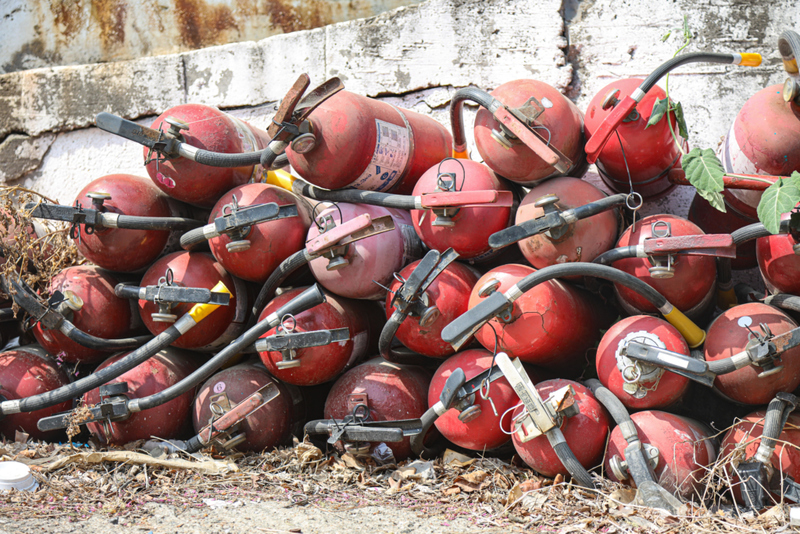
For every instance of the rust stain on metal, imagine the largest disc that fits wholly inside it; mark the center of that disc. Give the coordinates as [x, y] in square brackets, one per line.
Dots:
[68, 16]
[201, 24]
[290, 18]
[110, 17]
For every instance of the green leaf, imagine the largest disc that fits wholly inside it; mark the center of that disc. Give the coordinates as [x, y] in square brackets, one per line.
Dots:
[687, 35]
[666, 36]
[777, 199]
[714, 198]
[678, 110]
[659, 109]
[703, 170]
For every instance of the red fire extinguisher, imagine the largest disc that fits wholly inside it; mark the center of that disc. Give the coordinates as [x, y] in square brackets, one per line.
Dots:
[526, 131]
[628, 154]
[779, 258]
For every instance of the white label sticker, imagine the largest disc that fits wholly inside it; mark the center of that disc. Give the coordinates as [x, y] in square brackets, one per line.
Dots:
[745, 321]
[388, 160]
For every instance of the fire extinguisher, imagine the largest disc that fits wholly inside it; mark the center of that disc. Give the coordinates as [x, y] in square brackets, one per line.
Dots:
[464, 229]
[640, 158]
[424, 297]
[779, 257]
[379, 391]
[120, 222]
[84, 294]
[526, 131]
[193, 270]
[680, 263]
[678, 449]
[559, 428]
[249, 246]
[639, 385]
[319, 344]
[765, 442]
[243, 407]
[563, 220]
[27, 371]
[551, 326]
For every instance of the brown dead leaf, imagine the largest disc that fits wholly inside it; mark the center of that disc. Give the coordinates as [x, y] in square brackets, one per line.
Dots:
[530, 485]
[307, 453]
[559, 478]
[474, 481]
[623, 495]
[452, 490]
[352, 462]
[456, 459]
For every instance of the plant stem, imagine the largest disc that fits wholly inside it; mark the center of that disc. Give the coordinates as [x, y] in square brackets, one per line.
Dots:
[687, 39]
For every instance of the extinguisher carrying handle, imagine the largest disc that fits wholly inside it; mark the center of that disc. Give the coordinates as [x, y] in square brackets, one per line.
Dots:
[718, 245]
[599, 138]
[102, 219]
[349, 430]
[116, 369]
[302, 302]
[553, 220]
[448, 397]
[302, 340]
[236, 221]
[51, 319]
[474, 319]
[751, 182]
[193, 295]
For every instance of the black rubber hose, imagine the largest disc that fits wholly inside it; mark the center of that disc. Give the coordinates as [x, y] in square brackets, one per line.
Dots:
[789, 46]
[132, 222]
[6, 314]
[694, 57]
[386, 338]
[307, 299]
[599, 206]
[418, 440]
[354, 196]
[773, 423]
[192, 238]
[782, 300]
[98, 378]
[598, 271]
[740, 236]
[615, 408]
[573, 466]
[278, 276]
[319, 427]
[218, 159]
[268, 158]
[610, 256]
[32, 305]
[721, 367]
[456, 111]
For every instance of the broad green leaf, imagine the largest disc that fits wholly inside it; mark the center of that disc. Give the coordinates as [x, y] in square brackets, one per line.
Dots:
[703, 170]
[795, 177]
[659, 109]
[714, 198]
[678, 110]
[779, 198]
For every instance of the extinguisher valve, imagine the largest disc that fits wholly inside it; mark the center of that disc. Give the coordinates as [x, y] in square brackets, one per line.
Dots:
[619, 467]
[98, 199]
[333, 240]
[639, 377]
[791, 91]
[652, 355]
[469, 414]
[612, 99]
[113, 407]
[176, 128]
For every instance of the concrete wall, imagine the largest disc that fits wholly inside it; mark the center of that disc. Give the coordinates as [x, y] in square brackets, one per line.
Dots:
[415, 57]
[47, 33]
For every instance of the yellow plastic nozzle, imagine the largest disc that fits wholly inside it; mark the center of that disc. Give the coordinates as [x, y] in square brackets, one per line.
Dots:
[790, 66]
[693, 334]
[726, 298]
[750, 59]
[460, 154]
[201, 311]
[281, 178]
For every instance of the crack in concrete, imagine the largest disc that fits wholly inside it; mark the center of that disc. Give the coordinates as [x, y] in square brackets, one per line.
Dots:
[568, 11]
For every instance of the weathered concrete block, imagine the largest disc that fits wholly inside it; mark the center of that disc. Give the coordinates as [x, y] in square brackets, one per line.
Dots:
[66, 98]
[247, 74]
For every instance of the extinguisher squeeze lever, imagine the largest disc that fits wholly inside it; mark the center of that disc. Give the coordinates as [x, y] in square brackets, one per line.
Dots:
[554, 222]
[623, 108]
[411, 299]
[173, 294]
[288, 343]
[237, 221]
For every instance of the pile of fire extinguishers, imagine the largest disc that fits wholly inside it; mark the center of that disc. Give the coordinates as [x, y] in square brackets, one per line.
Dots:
[226, 348]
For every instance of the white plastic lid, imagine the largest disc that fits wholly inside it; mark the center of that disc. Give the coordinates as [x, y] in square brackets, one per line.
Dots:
[16, 475]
